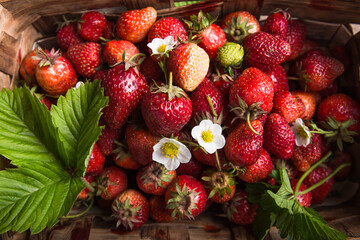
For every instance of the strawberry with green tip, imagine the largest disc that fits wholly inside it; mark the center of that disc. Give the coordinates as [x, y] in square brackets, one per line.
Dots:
[111, 182]
[219, 185]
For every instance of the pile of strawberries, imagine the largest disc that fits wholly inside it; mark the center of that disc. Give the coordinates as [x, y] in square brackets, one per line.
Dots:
[273, 91]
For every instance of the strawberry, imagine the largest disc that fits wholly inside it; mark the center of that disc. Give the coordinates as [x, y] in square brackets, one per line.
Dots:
[243, 147]
[304, 157]
[277, 24]
[47, 102]
[238, 25]
[263, 49]
[303, 199]
[259, 170]
[289, 166]
[223, 83]
[84, 194]
[186, 197]
[124, 160]
[101, 74]
[96, 161]
[319, 194]
[308, 45]
[134, 25]
[206, 158]
[140, 143]
[151, 71]
[111, 182]
[54, 73]
[288, 106]
[192, 168]
[309, 101]
[279, 139]
[219, 185]
[91, 26]
[154, 178]
[28, 67]
[158, 210]
[108, 32]
[131, 209]
[338, 159]
[85, 57]
[230, 55]
[106, 141]
[114, 50]
[125, 89]
[295, 36]
[67, 35]
[239, 210]
[279, 77]
[189, 65]
[166, 109]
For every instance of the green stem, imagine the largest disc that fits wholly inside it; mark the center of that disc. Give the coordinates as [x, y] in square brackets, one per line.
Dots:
[162, 65]
[249, 124]
[323, 159]
[170, 93]
[325, 179]
[88, 185]
[131, 59]
[82, 213]
[218, 160]
[211, 106]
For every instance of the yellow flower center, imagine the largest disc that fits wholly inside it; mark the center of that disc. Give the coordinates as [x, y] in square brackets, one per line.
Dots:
[162, 48]
[207, 136]
[170, 150]
[302, 132]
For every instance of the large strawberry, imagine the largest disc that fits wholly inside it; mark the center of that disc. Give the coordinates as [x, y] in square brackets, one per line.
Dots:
[131, 209]
[186, 197]
[91, 26]
[288, 106]
[111, 182]
[277, 24]
[114, 50]
[54, 73]
[166, 109]
[239, 210]
[279, 77]
[295, 36]
[85, 57]
[96, 161]
[192, 168]
[263, 49]
[189, 64]
[125, 88]
[279, 139]
[134, 25]
[67, 35]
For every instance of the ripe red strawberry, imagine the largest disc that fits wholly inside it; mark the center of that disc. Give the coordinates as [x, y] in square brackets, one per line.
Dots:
[259, 170]
[166, 109]
[189, 65]
[47, 102]
[303, 199]
[219, 185]
[140, 143]
[308, 45]
[223, 83]
[124, 160]
[309, 101]
[243, 147]
[101, 74]
[54, 73]
[111, 182]
[67, 35]
[151, 71]
[320, 193]
[158, 210]
[279, 77]
[125, 89]
[238, 25]
[106, 141]
[208, 159]
[134, 25]
[27, 68]
[131, 209]
[154, 178]
[288, 106]
[91, 26]
[114, 50]
[108, 32]
[96, 161]
[279, 139]
[85, 57]
[192, 168]
[186, 197]
[304, 157]
[239, 210]
[295, 36]
[84, 194]
[277, 24]
[263, 49]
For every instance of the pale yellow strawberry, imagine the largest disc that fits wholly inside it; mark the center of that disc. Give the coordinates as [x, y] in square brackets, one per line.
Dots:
[189, 64]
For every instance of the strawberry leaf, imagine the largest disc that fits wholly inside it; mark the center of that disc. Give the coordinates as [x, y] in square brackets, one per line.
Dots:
[263, 221]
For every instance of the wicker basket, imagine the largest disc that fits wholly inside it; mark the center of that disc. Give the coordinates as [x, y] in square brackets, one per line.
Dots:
[23, 23]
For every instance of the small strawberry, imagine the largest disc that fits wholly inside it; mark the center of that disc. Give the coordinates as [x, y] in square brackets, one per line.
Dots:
[114, 50]
[124, 160]
[131, 209]
[154, 178]
[219, 185]
[54, 73]
[158, 210]
[151, 71]
[238, 25]
[108, 32]
[243, 147]
[134, 25]
[186, 197]
[47, 102]
[85, 57]
[91, 26]
[277, 24]
[279, 139]
[309, 101]
[67, 35]
[189, 65]
[308, 45]
[279, 77]
[257, 171]
[288, 106]
[223, 83]
[84, 194]
[230, 55]
[111, 182]
[192, 168]
[295, 36]
[303, 199]
[106, 141]
[28, 67]
[96, 161]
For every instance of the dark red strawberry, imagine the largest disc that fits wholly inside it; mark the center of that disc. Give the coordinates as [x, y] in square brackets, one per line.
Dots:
[308, 45]
[295, 36]
[123, 159]
[223, 83]
[279, 77]
[277, 24]
[338, 159]
[106, 141]
[67, 35]
[85, 57]
[279, 139]
[111, 182]
[151, 71]
[219, 185]
[288, 106]
[101, 74]
[259, 170]
[96, 161]
[108, 32]
[158, 210]
[192, 168]
[303, 199]
[186, 197]
[114, 50]
[125, 89]
[239, 210]
[131, 209]
[91, 26]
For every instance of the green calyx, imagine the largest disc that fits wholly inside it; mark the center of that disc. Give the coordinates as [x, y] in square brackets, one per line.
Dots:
[156, 173]
[46, 58]
[230, 55]
[219, 182]
[238, 30]
[126, 213]
[199, 22]
[170, 90]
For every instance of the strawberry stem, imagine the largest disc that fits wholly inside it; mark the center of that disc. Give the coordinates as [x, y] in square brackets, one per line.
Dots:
[82, 213]
[88, 185]
[249, 124]
[170, 92]
[217, 160]
[211, 105]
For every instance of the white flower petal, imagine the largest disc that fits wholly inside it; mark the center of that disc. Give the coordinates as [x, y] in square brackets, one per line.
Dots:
[205, 124]
[196, 132]
[215, 129]
[209, 147]
[172, 164]
[158, 156]
[155, 44]
[184, 156]
[219, 141]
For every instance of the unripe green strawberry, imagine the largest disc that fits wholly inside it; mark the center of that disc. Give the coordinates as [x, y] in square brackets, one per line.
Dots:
[230, 55]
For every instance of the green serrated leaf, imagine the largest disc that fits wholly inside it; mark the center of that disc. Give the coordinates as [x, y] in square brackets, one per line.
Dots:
[285, 188]
[256, 190]
[262, 223]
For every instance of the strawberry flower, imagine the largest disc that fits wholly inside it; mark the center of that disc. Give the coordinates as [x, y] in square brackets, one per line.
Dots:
[301, 132]
[160, 46]
[171, 153]
[208, 135]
